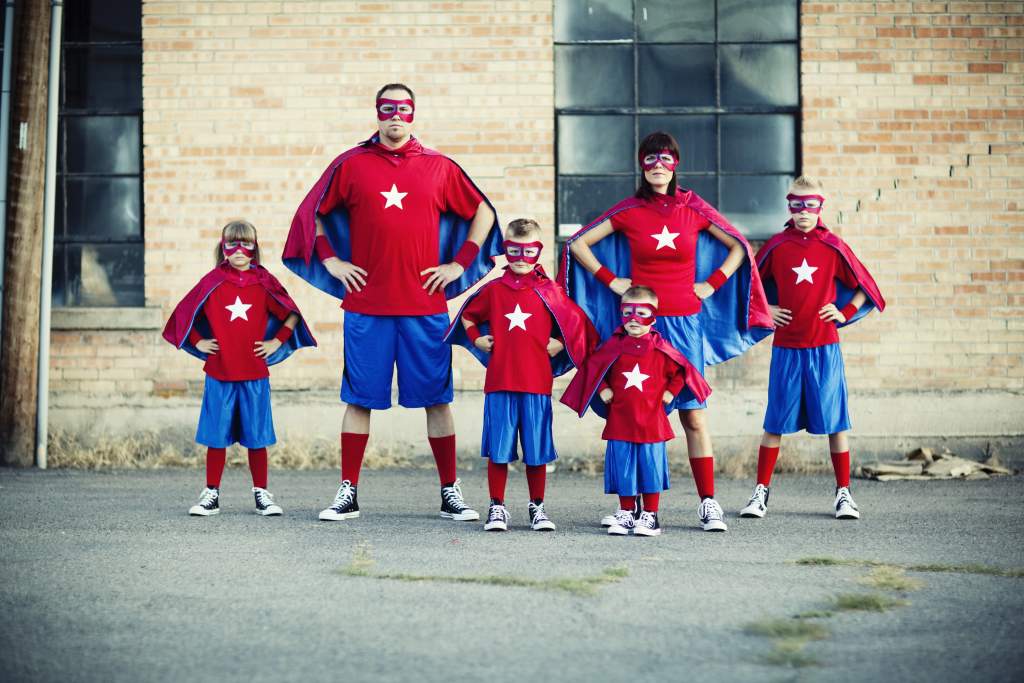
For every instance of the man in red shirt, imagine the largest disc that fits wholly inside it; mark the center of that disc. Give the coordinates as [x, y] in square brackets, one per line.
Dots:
[818, 285]
[394, 229]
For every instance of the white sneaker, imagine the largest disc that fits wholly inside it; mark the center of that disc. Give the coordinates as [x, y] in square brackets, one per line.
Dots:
[453, 506]
[609, 520]
[539, 520]
[209, 503]
[711, 515]
[345, 505]
[265, 504]
[497, 518]
[844, 505]
[647, 525]
[624, 521]
[758, 504]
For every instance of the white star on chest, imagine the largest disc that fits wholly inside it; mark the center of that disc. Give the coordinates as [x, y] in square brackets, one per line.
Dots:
[665, 238]
[238, 309]
[393, 197]
[635, 378]
[517, 318]
[804, 273]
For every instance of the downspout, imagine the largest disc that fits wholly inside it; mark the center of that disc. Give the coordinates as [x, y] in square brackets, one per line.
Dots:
[5, 129]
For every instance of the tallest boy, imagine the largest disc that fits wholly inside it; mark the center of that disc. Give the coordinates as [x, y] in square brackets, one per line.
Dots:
[394, 229]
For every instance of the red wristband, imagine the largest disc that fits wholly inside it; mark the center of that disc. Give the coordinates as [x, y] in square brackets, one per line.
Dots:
[283, 334]
[849, 310]
[604, 276]
[466, 254]
[323, 248]
[717, 279]
[473, 333]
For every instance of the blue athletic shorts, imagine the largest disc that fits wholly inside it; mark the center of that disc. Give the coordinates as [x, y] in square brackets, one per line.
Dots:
[375, 344]
[686, 334]
[807, 390]
[634, 468]
[236, 412]
[508, 414]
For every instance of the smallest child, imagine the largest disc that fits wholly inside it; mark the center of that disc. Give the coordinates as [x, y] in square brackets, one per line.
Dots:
[630, 380]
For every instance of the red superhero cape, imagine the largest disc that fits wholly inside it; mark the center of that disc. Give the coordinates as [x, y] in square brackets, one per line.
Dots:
[843, 293]
[578, 334]
[183, 319]
[582, 390]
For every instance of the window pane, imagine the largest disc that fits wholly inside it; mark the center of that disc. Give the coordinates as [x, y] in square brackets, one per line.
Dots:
[593, 76]
[759, 74]
[675, 21]
[695, 135]
[756, 204]
[104, 78]
[582, 199]
[758, 143]
[102, 144]
[102, 20]
[102, 275]
[103, 208]
[593, 20]
[704, 185]
[757, 21]
[676, 75]
[595, 144]
[58, 295]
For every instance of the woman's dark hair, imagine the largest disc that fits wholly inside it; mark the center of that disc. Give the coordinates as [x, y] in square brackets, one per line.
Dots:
[652, 144]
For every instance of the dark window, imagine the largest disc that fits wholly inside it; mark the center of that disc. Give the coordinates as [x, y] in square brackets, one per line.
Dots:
[98, 245]
[721, 75]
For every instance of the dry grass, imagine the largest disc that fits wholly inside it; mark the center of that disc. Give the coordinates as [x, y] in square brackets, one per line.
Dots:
[986, 570]
[866, 602]
[890, 578]
[787, 629]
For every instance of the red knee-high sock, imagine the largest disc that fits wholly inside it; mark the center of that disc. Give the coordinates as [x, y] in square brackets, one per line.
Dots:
[353, 447]
[536, 477]
[627, 502]
[841, 464]
[651, 501]
[704, 476]
[258, 467]
[215, 458]
[766, 457]
[444, 455]
[497, 476]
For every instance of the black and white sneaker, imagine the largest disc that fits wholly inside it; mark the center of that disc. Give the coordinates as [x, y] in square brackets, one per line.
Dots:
[711, 515]
[209, 503]
[624, 521]
[608, 520]
[265, 504]
[345, 505]
[454, 507]
[758, 504]
[844, 505]
[647, 525]
[539, 520]
[497, 518]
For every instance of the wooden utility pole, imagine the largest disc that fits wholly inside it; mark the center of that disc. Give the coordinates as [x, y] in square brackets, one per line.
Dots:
[24, 235]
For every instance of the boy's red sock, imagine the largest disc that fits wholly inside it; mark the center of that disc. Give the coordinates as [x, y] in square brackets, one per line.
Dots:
[704, 476]
[444, 455]
[353, 448]
[497, 476]
[651, 501]
[627, 502]
[841, 464]
[258, 467]
[215, 458]
[536, 477]
[766, 457]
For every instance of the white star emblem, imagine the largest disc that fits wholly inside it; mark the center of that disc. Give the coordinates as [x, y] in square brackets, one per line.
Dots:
[804, 273]
[635, 378]
[238, 309]
[393, 197]
[665, 238]
[517, 318]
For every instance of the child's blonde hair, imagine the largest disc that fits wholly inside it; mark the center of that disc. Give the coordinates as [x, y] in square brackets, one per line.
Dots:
[237, 231]
[640, 292]
[523, 227]
[807, 184]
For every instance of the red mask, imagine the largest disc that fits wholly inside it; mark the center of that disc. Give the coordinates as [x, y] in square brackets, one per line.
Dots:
[230, 247]
[665, 157]
[642, 313]
[811, 203]
[386, 109]
[527, 252]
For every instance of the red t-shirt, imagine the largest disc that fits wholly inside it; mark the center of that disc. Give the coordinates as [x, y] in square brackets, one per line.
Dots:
[237, 311]
[805, 274]
[663, 245]
[522, 326]
[394, 202]
[639, 379]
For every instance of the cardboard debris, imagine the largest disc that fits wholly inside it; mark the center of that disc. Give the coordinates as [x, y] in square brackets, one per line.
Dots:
[925, 464]
[925, 454]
